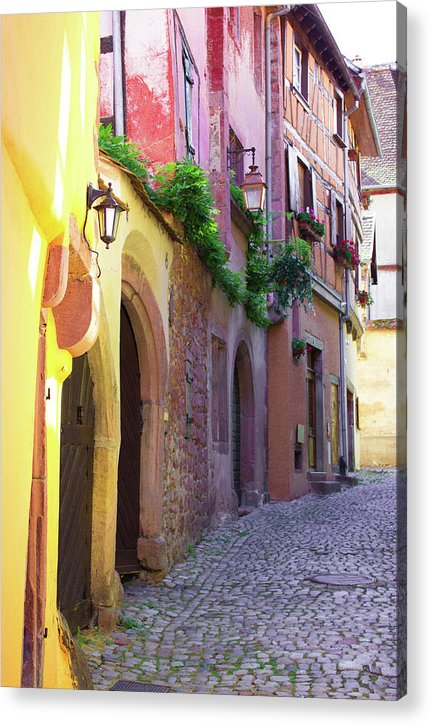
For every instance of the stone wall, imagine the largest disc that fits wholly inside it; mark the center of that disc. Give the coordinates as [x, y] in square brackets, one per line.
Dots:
[186, 498]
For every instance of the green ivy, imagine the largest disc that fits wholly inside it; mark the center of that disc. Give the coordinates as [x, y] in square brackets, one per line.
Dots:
[183, 188]
[123, 151]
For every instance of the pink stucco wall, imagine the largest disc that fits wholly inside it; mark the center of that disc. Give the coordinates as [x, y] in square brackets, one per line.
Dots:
[225, 94]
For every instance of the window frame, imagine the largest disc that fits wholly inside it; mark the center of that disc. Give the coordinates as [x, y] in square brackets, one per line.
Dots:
[300, 84]
[189, 83]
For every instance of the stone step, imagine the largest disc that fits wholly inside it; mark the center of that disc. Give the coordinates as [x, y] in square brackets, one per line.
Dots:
[316, 475]
[346, 478]
[325, 486]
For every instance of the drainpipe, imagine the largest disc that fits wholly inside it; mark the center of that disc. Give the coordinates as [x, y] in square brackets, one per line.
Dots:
[119, 124]
[345, 314]
[268, 157]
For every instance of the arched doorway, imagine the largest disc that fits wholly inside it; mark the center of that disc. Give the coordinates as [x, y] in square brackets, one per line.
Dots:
[243, 427]
[76, 491]
[128, 501]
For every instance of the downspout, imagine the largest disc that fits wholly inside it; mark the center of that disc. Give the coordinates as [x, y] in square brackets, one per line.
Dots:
[119, 124]
[268, 156]
[345, 314]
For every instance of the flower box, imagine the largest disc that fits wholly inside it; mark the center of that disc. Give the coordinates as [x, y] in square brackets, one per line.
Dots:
[309, 224]
[346, 255]
[298, 347]
[307, 232]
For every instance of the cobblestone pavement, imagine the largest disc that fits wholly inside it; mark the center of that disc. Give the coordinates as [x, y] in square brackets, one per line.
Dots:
[242, 616]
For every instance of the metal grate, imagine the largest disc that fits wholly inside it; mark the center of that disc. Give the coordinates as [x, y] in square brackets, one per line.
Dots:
[342, 578]
[137, 686]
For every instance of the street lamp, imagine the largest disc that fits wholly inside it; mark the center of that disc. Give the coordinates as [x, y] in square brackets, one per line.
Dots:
[253, 186]
[108, 210]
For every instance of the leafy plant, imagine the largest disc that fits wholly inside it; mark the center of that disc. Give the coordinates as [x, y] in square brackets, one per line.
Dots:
[191, 550]
[290, 274]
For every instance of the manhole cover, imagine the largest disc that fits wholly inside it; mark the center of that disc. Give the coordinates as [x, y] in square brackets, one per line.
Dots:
[342, 578]
[136, 686]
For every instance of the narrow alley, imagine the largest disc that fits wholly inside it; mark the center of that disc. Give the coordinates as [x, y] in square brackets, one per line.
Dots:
[247, 613]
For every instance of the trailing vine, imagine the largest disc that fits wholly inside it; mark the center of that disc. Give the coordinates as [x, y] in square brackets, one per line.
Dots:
[183, 188]
[290, 276]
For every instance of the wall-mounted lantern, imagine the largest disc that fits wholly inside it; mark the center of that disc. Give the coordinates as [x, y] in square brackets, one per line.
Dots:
[109, 211]
[253, 186]
[254, 189]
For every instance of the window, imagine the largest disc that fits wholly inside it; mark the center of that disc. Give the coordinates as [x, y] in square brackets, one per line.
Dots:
[219, 390]
[339, 222]
[304, 186]
[297, 67]
[236, 161]
[339, 119]
[188, 88]
[301, 70]
[234, 21]
[258, 64]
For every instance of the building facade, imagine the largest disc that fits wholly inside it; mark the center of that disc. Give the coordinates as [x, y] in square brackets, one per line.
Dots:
[324, 124]
[382, 359]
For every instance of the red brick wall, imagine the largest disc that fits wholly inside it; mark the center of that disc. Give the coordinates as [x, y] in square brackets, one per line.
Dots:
[287, 402]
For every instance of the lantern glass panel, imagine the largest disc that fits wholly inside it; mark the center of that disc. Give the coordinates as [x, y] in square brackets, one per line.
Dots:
[254, 197]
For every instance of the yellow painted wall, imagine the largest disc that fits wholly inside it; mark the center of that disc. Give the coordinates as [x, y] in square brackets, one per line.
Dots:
[383, 392]
[49, 121]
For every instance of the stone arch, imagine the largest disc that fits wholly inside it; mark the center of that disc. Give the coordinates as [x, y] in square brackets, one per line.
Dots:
[242, 375]
[147, 324]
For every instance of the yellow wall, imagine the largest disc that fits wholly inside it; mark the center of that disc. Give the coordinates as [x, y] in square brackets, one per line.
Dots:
[49, 121]
[383, 391]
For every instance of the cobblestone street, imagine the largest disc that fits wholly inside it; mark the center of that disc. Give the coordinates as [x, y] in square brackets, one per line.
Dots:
[242, 615]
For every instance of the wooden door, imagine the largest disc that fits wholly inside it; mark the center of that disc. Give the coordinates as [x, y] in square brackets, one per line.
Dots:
[128, 504]
[76, 479]
[350, 422]
[236, 426]
[334, 425]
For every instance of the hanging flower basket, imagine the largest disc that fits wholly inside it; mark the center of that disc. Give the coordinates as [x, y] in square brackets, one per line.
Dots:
[298, 347]
[309, 224]
[346, 254]
[364, 298]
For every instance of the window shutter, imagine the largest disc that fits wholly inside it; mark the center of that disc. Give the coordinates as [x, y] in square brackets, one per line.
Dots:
[333, 218]
[313, 188]
[293, 179]
[348, 222]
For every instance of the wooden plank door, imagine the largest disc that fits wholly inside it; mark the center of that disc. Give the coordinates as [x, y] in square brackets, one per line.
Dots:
[76, 480]
[334, 425]
[236, 427]
[128, 503]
